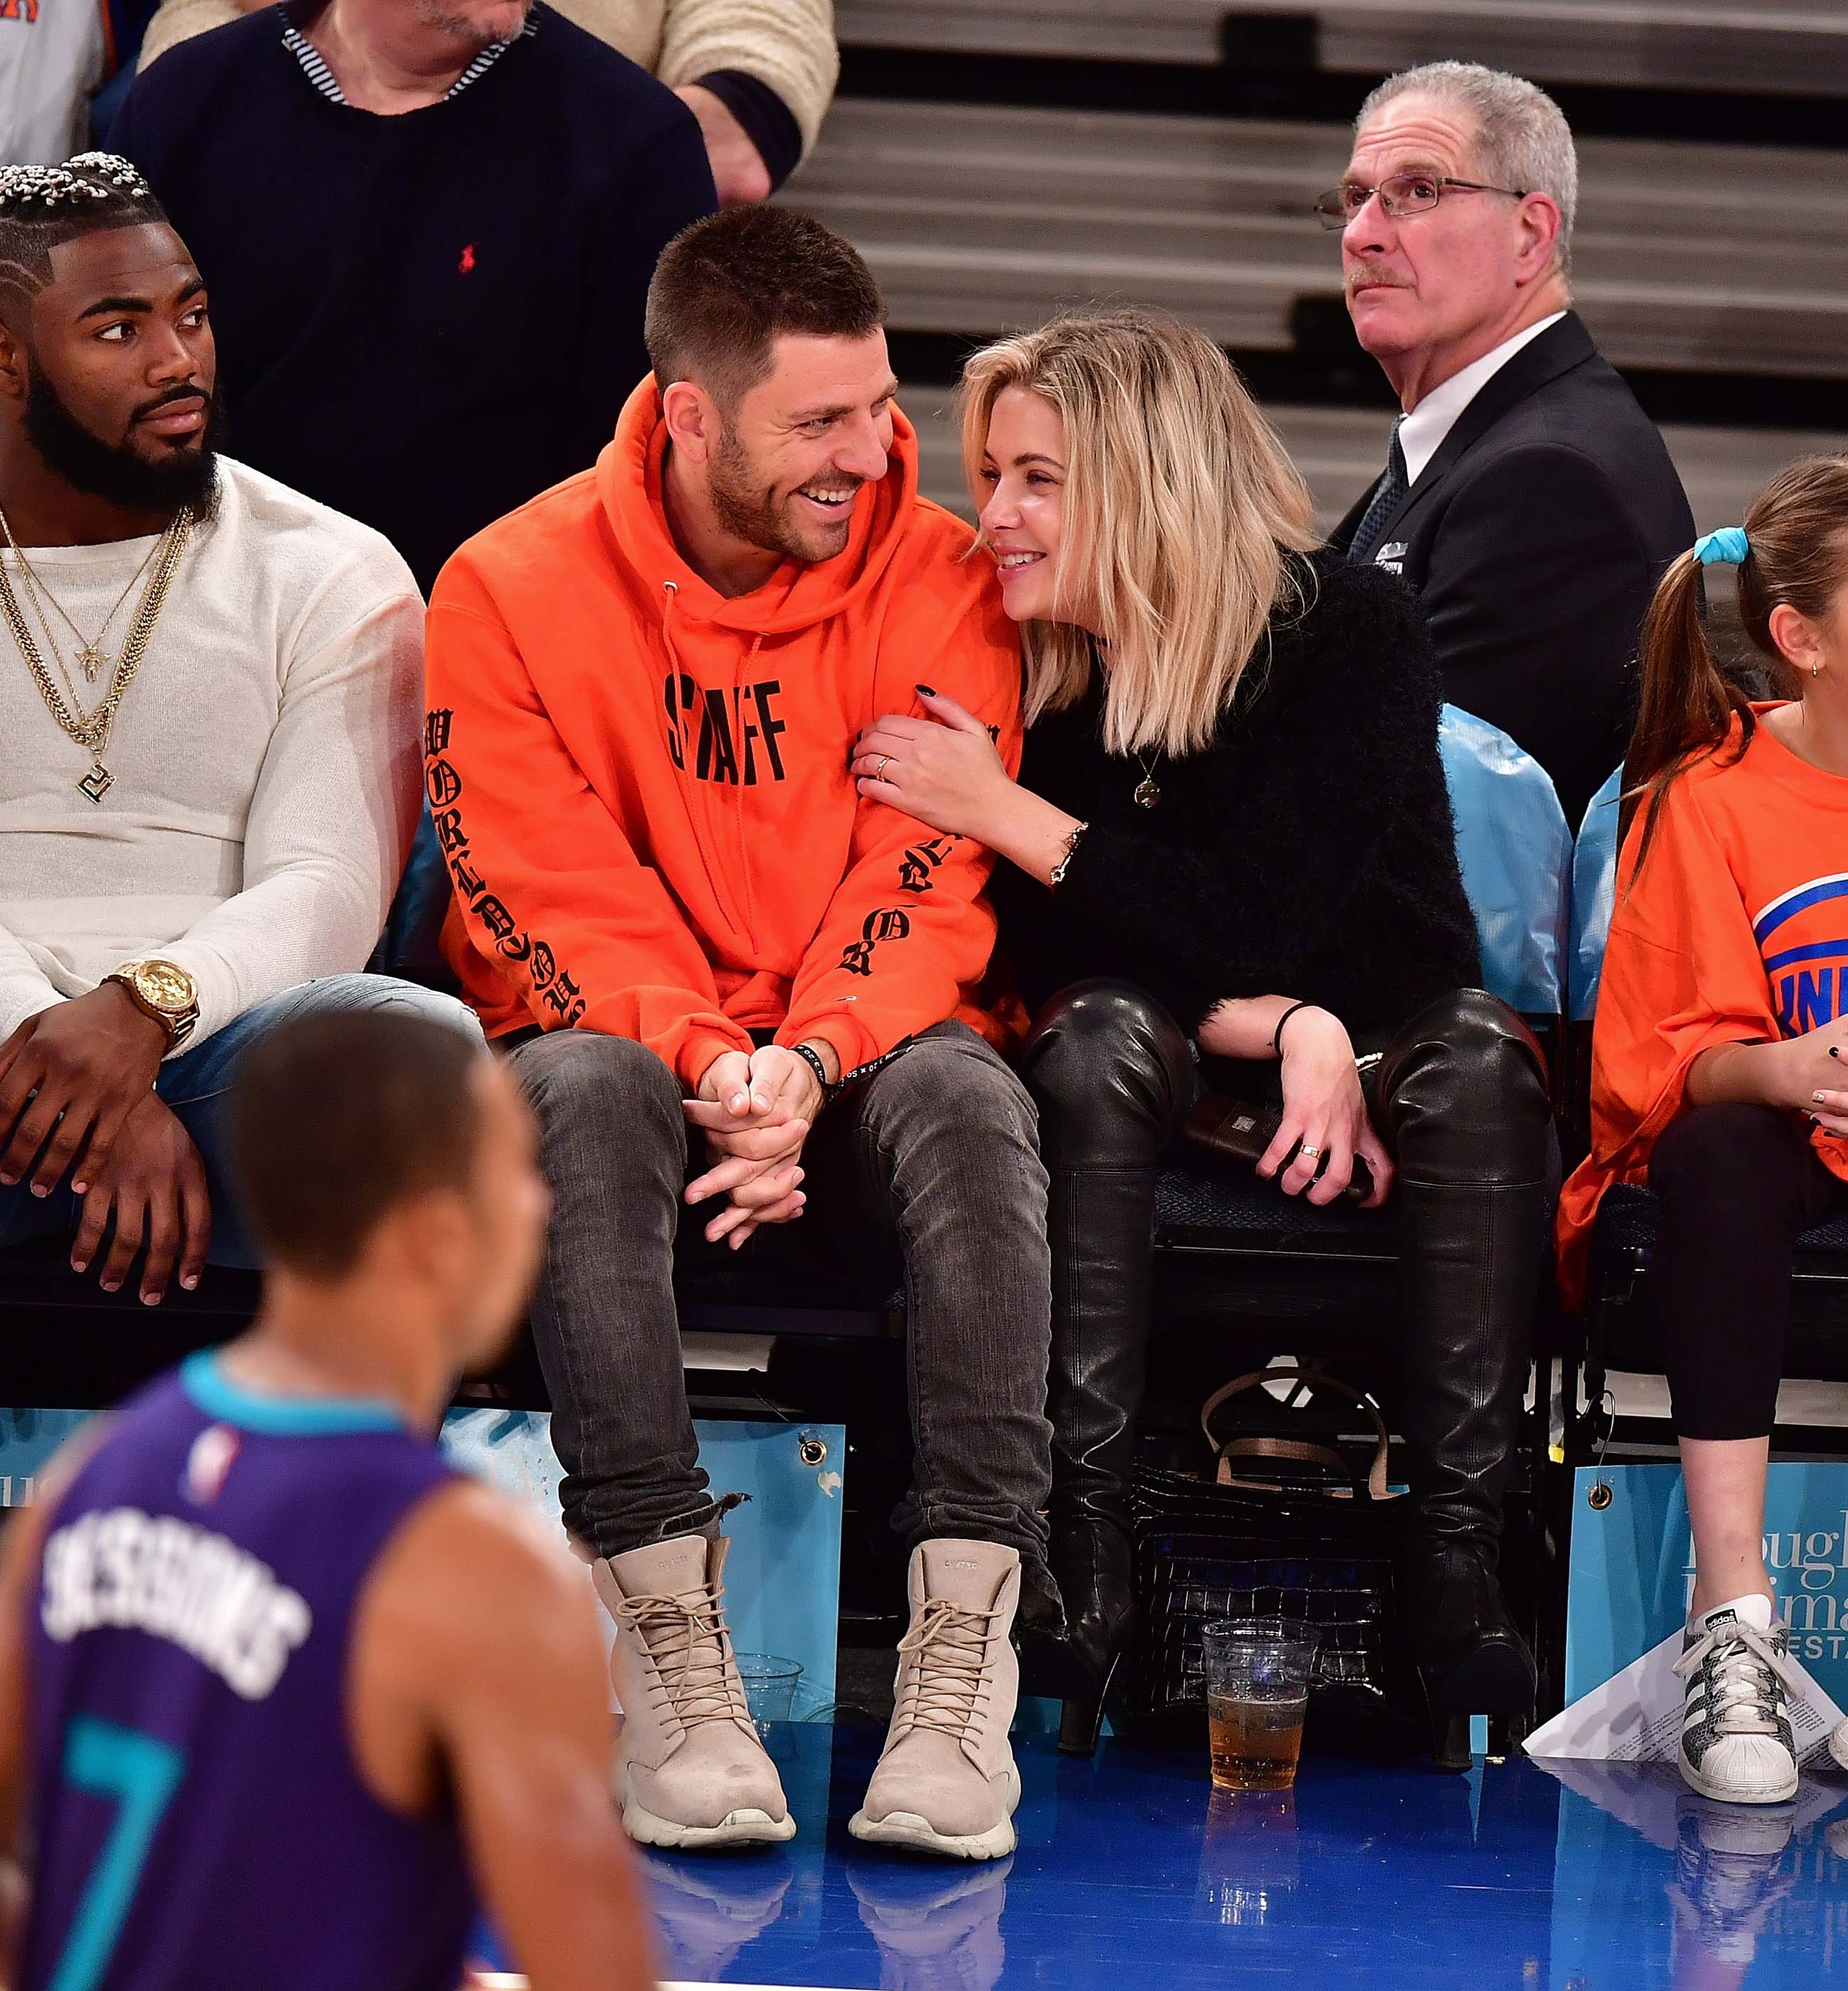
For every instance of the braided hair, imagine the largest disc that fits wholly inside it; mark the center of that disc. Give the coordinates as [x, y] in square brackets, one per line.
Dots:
[43, 207]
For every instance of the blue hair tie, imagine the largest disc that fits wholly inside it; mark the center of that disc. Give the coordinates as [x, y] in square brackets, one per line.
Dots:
[1729, 545]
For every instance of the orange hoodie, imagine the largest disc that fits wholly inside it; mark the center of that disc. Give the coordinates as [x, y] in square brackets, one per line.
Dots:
[641, 788]
[1737, 932]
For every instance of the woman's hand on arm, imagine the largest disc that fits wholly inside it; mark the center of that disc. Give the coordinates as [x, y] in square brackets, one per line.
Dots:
[1323, 1105]
[1807, 1075]
[945, 771]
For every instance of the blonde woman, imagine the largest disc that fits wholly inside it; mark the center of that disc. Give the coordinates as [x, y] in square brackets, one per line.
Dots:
[1231, 866]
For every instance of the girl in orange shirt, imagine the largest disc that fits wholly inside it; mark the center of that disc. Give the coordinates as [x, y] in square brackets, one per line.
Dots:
[1718, 1062]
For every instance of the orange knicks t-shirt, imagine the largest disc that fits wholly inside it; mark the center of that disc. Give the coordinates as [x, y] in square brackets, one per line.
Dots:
[1736, 931]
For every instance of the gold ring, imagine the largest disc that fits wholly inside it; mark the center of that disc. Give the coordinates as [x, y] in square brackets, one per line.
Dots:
[885, 761]
[1310, 1154]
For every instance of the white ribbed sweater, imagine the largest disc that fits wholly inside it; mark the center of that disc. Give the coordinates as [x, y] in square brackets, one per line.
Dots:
[265, 755]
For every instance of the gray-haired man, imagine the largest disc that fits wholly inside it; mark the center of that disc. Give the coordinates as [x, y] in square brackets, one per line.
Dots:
[1527, 496]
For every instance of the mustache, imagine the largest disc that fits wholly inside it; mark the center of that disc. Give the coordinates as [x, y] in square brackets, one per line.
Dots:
[193, 394]
[1357, 274]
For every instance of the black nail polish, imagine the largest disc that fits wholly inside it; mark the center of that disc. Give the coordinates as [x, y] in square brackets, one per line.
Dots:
[929, 691]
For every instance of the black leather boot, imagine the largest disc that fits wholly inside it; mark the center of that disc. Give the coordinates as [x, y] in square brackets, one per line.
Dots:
[1112, 1077]
[1462, 1090]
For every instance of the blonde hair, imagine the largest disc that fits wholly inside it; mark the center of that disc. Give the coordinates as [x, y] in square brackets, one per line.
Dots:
[1180, 500]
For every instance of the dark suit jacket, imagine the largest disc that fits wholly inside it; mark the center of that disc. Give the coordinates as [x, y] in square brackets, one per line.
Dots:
[1536, 537]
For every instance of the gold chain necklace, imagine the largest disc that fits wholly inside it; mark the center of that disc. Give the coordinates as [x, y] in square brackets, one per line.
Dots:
[90, 651]
[90, 731]
[70, 684]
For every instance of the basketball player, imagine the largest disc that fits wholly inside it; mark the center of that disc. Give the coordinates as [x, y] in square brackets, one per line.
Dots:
[275, 1684]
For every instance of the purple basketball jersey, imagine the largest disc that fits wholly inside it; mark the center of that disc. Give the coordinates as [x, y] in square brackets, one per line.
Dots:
[200, 1823]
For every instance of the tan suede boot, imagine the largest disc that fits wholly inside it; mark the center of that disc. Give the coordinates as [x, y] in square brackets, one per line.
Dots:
[690, 1771]
[946, 1781]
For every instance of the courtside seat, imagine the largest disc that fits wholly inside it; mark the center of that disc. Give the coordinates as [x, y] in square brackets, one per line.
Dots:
[1618, 1334]
[1231, 1248]
[1234, 1253]
[70, 1346]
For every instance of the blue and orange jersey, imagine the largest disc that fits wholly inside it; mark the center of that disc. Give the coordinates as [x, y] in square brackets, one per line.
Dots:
[1802, 935]
[1735, 931]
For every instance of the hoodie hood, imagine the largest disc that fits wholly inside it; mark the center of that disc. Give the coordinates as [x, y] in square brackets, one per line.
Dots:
[800, 594]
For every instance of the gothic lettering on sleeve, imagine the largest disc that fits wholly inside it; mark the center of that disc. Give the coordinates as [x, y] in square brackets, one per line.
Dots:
[884, 923]
[915, 866]
[443, 782]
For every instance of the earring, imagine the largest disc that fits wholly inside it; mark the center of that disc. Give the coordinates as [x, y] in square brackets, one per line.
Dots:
[1815, 670]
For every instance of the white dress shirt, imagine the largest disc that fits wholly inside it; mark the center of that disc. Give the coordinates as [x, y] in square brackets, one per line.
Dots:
[1422, 432]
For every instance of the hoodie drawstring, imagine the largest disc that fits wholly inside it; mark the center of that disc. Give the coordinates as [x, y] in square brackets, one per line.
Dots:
[698, 814]
[738, 708]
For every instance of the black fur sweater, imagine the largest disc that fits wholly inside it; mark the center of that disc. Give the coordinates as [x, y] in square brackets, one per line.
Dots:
[1307, 852]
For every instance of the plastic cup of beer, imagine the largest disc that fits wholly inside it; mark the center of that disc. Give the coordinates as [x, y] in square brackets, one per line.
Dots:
[1258, 1672]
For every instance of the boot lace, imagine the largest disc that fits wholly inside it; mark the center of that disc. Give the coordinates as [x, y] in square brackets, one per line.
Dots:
[687, 1639]
[950, 1642]
[1745, 1670]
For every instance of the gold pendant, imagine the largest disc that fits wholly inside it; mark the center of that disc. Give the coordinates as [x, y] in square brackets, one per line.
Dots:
[98, 782]
[1148, 794]
[93, 661]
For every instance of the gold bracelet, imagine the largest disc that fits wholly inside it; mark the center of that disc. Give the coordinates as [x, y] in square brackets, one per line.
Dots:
[1073, 839]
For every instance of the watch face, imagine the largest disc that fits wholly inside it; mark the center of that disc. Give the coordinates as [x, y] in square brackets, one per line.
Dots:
[164, 986]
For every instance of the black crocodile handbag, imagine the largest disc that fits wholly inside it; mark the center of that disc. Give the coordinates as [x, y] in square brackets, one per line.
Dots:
[1283, 1529]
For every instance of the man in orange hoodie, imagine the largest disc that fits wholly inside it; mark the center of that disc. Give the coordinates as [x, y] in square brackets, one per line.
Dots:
[672, 909]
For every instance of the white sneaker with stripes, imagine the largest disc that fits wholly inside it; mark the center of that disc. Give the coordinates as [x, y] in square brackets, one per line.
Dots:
[1736, 1740]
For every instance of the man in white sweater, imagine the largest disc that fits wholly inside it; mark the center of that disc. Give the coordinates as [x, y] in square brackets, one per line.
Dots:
[210, 697]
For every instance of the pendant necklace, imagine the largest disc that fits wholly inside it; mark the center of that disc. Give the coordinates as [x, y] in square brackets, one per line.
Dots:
[90, 653]
[1148, 790]
[91, 730]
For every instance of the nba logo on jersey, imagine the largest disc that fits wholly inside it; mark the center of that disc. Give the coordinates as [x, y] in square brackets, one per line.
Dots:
[1802, 936]
[214, 1453]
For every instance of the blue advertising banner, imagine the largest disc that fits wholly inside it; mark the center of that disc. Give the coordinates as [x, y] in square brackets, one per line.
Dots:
[1632, 1568]
[782, 1577]
[28, 1439]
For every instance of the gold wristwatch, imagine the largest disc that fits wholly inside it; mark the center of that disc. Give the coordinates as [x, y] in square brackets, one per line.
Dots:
[165, 990]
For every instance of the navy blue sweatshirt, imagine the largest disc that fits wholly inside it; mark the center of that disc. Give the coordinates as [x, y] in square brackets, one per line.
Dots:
[422, 320]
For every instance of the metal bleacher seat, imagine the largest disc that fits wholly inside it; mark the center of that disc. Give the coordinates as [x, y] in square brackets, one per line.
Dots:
[1788, 46]
[1699, 257]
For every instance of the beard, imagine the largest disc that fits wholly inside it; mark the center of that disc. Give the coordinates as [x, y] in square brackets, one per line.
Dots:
[751, 512]
[445, 20]
[116, 472]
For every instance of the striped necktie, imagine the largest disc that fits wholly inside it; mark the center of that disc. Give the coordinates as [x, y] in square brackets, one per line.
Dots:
[1387, 495]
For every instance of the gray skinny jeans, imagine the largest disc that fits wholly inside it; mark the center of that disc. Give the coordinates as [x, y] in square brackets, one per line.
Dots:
[932, 1162]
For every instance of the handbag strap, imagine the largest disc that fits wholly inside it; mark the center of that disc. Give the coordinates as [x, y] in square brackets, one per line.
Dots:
[1295, 1448]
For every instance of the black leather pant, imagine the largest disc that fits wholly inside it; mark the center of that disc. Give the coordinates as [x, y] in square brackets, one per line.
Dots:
[1458, 1097]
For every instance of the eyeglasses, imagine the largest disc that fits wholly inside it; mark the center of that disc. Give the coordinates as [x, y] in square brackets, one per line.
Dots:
[1400, 194]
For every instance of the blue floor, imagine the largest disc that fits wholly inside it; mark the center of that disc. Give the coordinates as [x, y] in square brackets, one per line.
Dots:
[1131, 1872]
